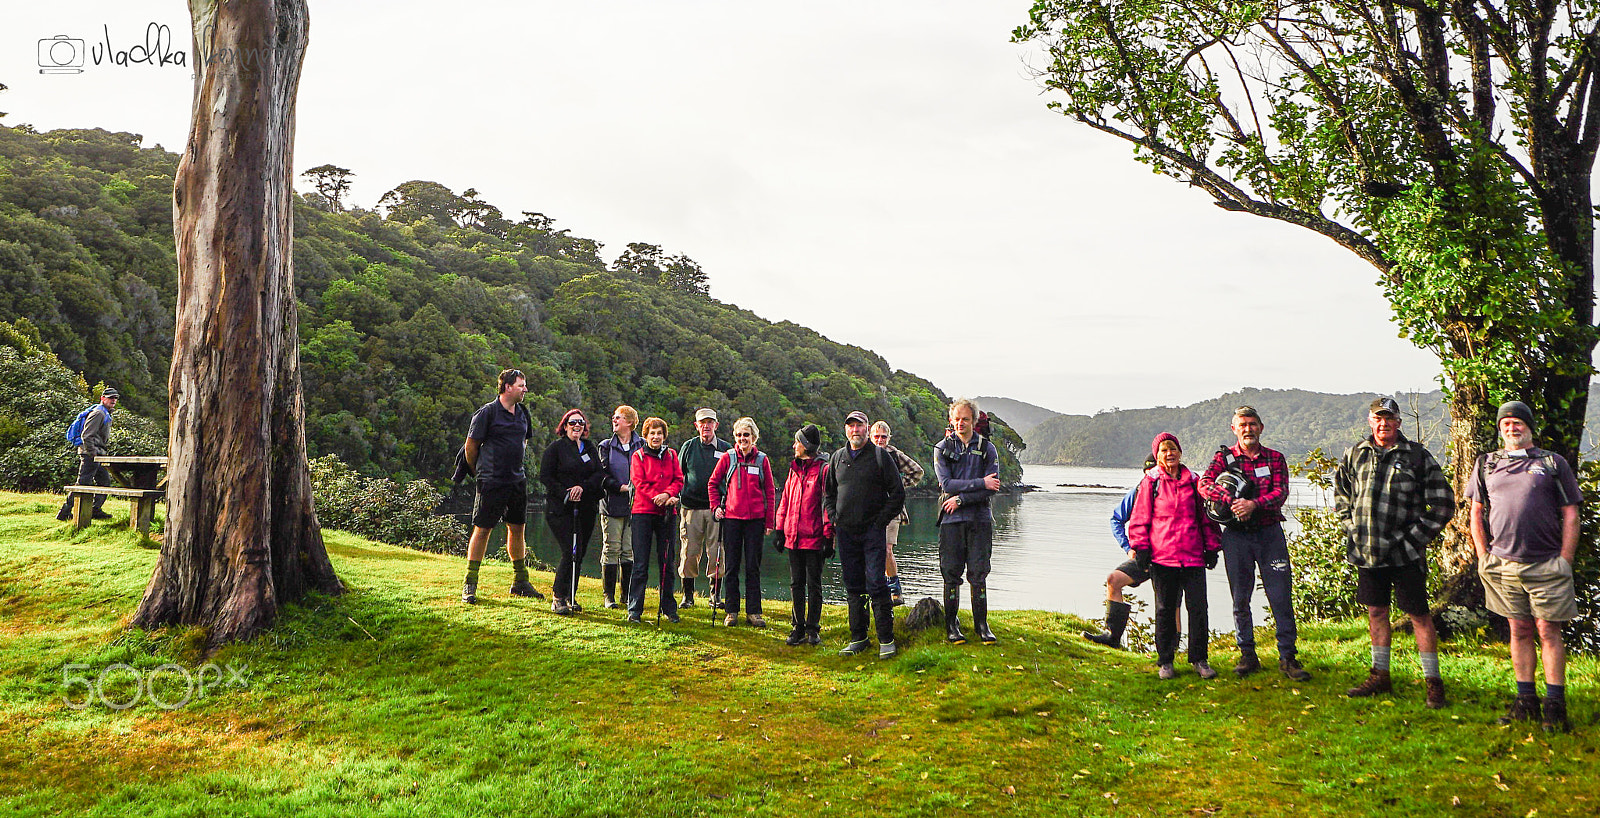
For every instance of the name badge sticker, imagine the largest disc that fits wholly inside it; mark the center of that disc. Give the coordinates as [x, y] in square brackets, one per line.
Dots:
[1263, 471]
[755, 470]
[584, 458]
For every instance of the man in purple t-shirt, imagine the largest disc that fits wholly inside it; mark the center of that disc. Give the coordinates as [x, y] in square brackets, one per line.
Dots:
[1525, 529]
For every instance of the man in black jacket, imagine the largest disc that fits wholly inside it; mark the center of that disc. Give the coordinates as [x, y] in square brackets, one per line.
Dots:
[862, 495]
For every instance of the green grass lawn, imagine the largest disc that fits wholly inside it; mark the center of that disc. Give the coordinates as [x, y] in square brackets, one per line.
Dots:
[396, 699]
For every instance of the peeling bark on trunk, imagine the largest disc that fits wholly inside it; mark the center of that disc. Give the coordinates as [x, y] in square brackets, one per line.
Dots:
[242, 535]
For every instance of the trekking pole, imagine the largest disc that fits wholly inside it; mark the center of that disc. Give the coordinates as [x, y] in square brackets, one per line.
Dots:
[661, 589]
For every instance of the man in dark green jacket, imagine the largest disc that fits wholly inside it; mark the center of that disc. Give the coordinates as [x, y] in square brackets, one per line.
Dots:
[698, 531]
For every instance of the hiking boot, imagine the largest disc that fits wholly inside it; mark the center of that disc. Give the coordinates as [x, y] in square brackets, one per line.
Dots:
[1436, 699]
[100, 515]
[896, 598]
[469, 593]
[64, 515]
[887, 650]
[1377, 682]
[813, 637]
[755, 620]
[574, 606]
[673, 618]
[525, 588]
[1291, 668]
[1166, 672]
[1523, 708]
[730, 620]
[559, 606]
[688, 598]
[633, 619]
[796, 637]
[854, 648]
[1248, 663]
[1205, 670]
[1555, 716]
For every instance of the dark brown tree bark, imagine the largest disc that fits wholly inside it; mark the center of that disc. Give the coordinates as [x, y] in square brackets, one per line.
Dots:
[241, 534]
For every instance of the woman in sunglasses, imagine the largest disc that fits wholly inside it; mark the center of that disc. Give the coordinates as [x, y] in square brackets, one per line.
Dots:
[744, 500]
[574, 480]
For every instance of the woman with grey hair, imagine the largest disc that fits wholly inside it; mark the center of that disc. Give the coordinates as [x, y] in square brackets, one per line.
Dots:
[743, 499]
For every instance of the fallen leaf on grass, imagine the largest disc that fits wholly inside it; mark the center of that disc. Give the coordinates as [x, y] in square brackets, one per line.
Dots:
[1009, 790]
[1455, 800]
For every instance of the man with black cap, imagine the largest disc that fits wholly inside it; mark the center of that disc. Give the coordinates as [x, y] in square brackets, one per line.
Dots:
[1253, 540]
[96, 437]
[1393, 500]
[698, 530]
[1525, 510]
[862, 494]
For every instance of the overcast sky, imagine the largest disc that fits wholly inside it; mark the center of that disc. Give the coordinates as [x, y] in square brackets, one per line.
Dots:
[811, 156]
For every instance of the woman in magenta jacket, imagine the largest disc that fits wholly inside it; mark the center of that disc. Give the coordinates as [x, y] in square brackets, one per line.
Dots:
[806, 534]
[1176, 542]
[657, 480]
[744, 501]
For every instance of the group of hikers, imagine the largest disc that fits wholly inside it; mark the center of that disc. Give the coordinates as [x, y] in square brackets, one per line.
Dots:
[1392, 500]
[707, 509]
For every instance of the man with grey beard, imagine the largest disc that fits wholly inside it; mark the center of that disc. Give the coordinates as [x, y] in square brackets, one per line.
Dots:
[1525, 504]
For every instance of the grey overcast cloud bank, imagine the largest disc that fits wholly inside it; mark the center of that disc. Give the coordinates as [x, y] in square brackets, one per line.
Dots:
[812, 157]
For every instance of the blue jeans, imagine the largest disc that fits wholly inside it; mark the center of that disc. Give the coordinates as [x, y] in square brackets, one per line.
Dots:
[652, 531]
[1243, 553]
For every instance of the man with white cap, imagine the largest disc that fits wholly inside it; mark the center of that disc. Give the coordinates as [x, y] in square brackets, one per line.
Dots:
[1525, 521]
[699, 533]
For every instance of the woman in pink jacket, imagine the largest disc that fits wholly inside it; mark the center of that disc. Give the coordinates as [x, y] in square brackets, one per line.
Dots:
[806, 534]
[1176, 542]
[744, 501]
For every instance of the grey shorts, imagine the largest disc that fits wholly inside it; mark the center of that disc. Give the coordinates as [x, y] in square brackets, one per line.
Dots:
[1529, 590]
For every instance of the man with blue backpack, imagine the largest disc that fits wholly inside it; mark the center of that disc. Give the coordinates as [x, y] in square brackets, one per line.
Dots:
[90, 432]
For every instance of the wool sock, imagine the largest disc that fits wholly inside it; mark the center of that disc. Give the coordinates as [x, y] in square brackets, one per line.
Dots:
[1527, 689]
[472, 571]
[1430, 664]
[521, 567]
[1557, 692]
[1380, 657]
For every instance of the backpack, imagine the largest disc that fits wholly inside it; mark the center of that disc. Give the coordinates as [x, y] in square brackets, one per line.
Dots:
[75, 429]
[727, 478]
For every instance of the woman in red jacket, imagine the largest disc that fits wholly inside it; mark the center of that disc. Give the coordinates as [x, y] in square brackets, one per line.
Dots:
[806, 534]
[744, 501]
[1176, 542]
[657, 480]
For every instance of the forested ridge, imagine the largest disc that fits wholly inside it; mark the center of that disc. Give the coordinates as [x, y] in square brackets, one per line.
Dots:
[408, 310]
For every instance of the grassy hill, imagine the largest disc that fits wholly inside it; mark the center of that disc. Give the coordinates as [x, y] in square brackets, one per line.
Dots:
[395, 699]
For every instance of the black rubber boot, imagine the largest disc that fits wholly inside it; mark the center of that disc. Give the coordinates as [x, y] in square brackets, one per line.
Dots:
[952, 616]
[1116, 623]
[608, 577]
[688, 593]
[627, 581]
[980, 615]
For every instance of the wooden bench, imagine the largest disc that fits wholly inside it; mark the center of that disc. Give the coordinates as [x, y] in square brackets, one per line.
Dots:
[143, 504]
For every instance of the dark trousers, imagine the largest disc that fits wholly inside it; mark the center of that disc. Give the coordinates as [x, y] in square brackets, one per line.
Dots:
[966, 548]
[1245, 552]
[653, 531]
[861, 560]
[805, 588]
[741, 547]
[1170, 585]
[90, 473]
[572, 527]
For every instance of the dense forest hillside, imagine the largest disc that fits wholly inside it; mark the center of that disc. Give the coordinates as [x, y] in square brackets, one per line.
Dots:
[1297, 421]
[408, 311]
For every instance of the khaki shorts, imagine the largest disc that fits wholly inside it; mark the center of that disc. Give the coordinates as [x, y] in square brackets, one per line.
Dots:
[616, 545]
[699, 533]
[1528, 590]
[891, 534]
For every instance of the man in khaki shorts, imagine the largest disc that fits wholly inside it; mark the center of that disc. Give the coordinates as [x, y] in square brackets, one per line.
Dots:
[698, 531]
[1525, 529]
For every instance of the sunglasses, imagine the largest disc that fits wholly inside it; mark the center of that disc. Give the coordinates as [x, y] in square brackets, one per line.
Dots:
[742, 434]
[577, 422]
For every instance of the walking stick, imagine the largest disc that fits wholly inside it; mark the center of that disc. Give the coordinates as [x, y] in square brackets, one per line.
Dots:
[661, 581]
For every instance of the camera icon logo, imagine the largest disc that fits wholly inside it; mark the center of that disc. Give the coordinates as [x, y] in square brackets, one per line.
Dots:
[61, 55]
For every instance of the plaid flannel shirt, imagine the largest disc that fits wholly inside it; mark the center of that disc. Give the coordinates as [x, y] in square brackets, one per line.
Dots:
[1272, 488]
[1392, 503]
[910, 471]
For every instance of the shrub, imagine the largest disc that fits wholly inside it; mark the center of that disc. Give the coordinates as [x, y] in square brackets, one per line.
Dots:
[381, 509]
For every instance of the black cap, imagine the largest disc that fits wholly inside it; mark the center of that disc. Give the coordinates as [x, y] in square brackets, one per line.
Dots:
[110, 392]
[1384, 406]
[809, 437]
[1514, 409]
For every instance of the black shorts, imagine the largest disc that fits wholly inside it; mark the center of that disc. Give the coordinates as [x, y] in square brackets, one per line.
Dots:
[1408, 582]
[508, 501]
[1134, 572]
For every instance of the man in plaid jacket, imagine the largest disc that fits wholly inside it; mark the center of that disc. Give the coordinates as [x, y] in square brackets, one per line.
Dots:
[1393, 499]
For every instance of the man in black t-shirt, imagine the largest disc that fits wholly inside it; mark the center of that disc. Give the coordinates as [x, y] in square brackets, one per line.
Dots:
[496, 445]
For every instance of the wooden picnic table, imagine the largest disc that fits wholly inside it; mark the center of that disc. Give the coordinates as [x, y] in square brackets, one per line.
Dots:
[141, 480]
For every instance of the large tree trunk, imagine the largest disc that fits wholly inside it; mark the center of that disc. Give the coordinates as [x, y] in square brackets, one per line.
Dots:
[242, 534]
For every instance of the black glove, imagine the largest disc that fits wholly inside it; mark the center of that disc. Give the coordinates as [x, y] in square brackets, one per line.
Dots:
[777, 540]
[1211, 560]
[828, 549]
[1143, 558]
